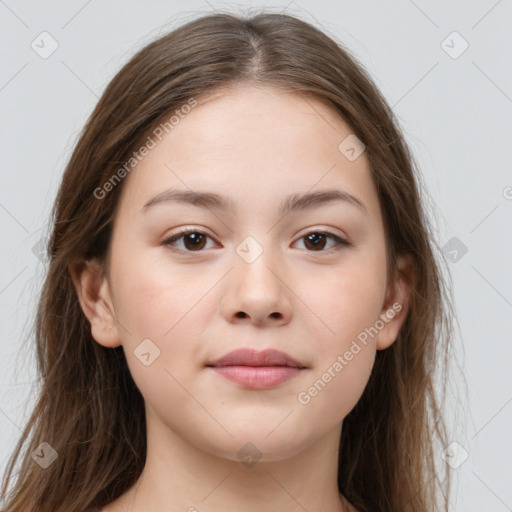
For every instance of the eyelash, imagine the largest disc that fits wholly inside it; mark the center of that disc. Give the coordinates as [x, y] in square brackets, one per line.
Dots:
[340, 242]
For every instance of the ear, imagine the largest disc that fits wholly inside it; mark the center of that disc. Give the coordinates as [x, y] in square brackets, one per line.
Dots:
[93, 292]
[397, 301]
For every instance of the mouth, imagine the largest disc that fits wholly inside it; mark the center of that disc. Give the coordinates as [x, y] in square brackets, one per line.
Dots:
[257, 369]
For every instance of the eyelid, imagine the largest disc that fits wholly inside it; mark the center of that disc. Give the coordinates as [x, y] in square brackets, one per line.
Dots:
[173, 237]
[341, 241]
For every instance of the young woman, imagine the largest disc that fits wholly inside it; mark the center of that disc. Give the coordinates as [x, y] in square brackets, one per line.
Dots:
[243, 310]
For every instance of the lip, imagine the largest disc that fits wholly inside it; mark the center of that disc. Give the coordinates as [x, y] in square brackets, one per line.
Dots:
[257, 369]
[251, 357]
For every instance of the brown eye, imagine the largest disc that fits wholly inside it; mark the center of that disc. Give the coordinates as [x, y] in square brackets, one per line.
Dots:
[317, 240]
[193, 241]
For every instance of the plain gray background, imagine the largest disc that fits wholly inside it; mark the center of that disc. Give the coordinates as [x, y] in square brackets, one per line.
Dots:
[454, 107]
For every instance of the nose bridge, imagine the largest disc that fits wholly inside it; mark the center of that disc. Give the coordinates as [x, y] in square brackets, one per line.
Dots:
[257, 261]
[256, 289]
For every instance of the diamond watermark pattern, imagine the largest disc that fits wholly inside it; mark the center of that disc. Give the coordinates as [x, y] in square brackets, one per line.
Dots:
[146, 352]
[249, 249]
[454, 455]
[44, 45]
[39, 250]
[44, 455]
[351, 147]
[454, 249]
[454, 45]
[249, 454]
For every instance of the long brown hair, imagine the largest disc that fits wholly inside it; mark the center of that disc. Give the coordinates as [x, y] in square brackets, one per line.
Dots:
[89, 409]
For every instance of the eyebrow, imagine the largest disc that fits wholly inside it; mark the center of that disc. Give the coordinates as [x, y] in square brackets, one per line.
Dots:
[294, 202]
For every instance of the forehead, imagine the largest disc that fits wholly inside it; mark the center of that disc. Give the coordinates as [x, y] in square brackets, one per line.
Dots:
[255, 145]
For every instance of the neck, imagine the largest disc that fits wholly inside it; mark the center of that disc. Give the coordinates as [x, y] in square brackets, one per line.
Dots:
[178, 473]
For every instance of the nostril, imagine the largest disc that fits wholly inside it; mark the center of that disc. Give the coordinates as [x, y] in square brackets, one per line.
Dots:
[241, 314]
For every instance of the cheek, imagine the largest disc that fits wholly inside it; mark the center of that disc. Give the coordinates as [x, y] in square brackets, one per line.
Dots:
[161, 340]
[158, 335]
[154, 301]
[345, 355]
[344, 303]
[348, 305]
[334, 389]
[171, 400]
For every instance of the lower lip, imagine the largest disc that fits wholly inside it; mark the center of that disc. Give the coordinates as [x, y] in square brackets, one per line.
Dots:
[257, 377]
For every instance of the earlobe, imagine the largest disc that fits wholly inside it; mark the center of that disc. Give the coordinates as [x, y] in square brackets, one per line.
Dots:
[396, 304]
[93, 293]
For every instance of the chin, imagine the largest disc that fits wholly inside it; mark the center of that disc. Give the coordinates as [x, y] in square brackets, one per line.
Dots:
[260, 446]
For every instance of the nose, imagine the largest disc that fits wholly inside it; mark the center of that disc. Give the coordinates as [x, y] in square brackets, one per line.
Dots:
[257, 293]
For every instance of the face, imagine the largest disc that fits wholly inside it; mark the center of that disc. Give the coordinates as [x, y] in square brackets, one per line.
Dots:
[309, 281]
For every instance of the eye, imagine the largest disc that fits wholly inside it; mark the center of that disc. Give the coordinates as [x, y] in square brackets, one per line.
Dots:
[193, 240]
[316, 240]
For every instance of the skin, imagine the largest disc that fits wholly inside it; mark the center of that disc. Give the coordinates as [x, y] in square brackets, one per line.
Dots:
[255, 145]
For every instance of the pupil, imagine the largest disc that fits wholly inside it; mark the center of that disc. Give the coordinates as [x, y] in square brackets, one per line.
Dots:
[315, 238]
[195, 239]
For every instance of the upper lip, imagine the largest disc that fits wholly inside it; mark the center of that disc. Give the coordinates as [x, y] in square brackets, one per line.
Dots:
[251, 357]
